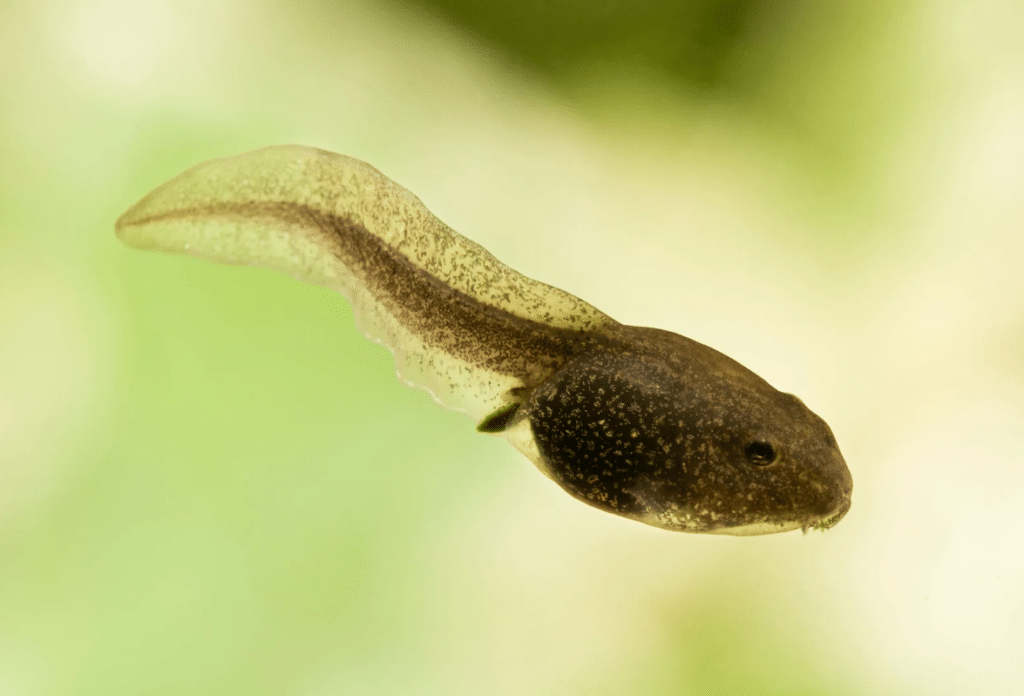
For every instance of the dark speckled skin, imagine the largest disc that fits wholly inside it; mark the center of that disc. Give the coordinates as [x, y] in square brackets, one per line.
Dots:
[657, 429]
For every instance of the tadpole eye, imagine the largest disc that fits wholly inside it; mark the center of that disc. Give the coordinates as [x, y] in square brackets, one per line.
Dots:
[760, 453]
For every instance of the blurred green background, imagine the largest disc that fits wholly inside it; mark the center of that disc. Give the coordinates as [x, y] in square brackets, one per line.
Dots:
[210, 483]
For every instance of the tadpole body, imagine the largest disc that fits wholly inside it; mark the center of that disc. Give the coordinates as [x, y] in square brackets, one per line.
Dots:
[640, 422]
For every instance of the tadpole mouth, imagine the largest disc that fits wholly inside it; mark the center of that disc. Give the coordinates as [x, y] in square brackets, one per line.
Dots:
[833, 519]
[840, 493]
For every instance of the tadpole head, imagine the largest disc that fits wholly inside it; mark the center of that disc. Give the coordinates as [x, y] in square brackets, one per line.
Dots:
[679, 436]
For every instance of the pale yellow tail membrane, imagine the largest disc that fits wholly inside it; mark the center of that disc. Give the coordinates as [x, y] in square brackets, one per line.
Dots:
[461, 325]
